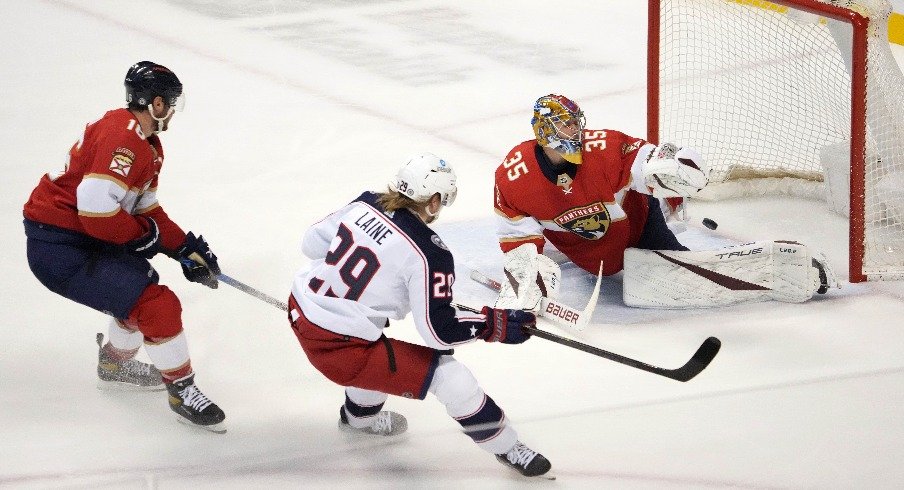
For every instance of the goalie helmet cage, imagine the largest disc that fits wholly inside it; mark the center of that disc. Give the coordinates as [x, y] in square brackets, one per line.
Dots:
[777, 91]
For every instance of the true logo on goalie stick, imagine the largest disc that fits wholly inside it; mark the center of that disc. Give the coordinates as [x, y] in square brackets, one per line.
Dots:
[590, 221]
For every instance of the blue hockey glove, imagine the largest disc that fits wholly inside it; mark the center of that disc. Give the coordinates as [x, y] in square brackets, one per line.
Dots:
[199, 264]
[506, 325]
[148, 244]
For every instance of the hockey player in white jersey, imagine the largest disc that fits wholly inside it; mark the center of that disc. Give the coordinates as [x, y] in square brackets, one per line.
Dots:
[373, 261]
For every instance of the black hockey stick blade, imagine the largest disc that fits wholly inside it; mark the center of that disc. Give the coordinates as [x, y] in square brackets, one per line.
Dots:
[697, 363]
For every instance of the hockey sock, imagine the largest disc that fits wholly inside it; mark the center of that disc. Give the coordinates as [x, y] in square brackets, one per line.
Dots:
[364, 407]
[487, 427]
[122, 343]
[170, 356]
[483, 421]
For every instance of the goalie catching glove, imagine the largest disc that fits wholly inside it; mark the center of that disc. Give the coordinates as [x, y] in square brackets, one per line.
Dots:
[531, 277]
[199, 264]
[672, 171]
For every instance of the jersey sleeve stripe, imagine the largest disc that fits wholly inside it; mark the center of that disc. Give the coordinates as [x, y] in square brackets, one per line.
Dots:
[99, 196]
[108, 178]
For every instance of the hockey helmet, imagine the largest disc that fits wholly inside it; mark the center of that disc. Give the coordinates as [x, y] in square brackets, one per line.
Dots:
[552, 113]
[423, 176]
[146, 80]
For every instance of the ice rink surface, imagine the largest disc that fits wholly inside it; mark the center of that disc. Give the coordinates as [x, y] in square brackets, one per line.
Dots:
[295, 107]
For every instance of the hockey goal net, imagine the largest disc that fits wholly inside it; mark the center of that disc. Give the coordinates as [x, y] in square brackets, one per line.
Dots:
[789, 96]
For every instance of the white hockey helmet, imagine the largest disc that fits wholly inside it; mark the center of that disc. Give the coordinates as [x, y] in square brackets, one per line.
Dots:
[424, 175]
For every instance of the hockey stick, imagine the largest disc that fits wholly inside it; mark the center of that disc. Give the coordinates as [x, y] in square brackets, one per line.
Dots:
[240, 286]
[697, 363]
[691, 368]
[558, 313]
[253, 292]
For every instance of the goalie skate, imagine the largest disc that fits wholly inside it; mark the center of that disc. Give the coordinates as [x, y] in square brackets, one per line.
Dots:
[526, 461]
[385, 423]
[129, 374]
[193, 407]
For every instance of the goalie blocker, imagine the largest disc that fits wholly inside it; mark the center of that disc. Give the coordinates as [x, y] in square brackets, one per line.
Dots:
[759, 271]
[531, 277]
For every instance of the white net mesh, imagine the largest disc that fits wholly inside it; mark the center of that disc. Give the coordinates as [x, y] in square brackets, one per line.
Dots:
[764, 92]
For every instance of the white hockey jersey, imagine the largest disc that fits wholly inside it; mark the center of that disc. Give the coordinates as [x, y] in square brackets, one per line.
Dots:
[369, 266]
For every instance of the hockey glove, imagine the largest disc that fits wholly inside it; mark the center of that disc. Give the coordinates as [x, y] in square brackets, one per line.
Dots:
[199, 264]
[671, 171]
[506, 325]
[532, 274]
[148, 244]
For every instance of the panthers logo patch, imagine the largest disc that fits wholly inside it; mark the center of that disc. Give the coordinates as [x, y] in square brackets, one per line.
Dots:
[122, 161]
[590, 222]
[626, 148]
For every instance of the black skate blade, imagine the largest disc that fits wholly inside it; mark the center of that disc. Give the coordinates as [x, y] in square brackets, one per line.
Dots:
[545, 476]
[549, 475]
[104, 385]
[219, 428]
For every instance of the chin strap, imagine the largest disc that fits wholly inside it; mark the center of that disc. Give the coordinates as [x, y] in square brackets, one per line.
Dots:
[161, 119]
[432, 215]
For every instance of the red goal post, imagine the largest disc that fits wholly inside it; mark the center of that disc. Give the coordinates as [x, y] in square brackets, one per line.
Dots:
[777, 90]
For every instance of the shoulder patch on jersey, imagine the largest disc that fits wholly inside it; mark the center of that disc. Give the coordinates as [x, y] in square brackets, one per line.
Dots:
[626, 148]
[590, 221]
[438, 242]
[122, 161]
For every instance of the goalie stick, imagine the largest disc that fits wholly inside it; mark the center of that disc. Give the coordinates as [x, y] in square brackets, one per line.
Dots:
[557, 313]
[696, 364]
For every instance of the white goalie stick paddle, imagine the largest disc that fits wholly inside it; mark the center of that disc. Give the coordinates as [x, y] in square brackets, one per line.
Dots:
[558, 313]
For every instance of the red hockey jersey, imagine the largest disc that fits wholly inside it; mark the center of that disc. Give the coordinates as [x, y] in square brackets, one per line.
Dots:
[111, 176]
[590, 216]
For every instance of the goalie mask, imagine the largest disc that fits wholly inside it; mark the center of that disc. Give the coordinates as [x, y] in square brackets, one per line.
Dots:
[558, 123]
[423, 176]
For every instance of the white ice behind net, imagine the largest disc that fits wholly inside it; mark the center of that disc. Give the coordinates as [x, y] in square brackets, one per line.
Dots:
[763, 91]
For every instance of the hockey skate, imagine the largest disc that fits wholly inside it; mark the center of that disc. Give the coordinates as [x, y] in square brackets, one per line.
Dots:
[385, 423]
[130, 374]
[525, 460]
[193, 407]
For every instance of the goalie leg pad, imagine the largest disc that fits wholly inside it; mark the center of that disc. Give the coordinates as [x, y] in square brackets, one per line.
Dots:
[760, 271]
